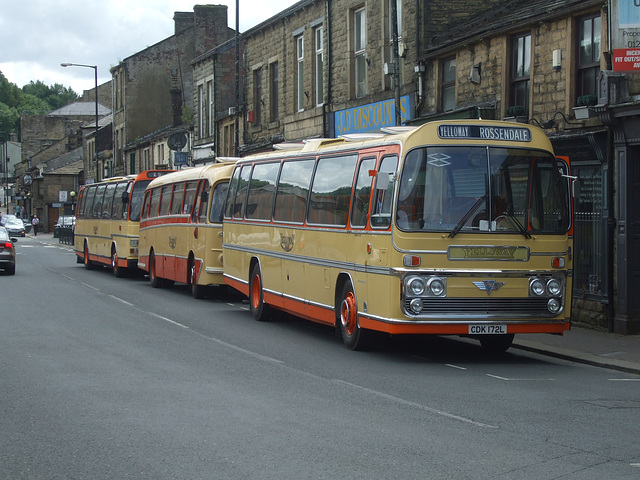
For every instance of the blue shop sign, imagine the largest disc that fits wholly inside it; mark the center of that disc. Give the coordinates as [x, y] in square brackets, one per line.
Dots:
[371, 117]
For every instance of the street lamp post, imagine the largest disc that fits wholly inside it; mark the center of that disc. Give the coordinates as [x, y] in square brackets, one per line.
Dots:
[95, 69]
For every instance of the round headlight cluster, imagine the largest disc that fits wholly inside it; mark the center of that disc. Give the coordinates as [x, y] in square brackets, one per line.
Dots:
[548, 287]
[426, 286]
[540, 286]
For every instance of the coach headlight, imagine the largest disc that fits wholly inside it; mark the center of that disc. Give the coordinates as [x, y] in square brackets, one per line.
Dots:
[554, 287]
[436, 286]
[554, 306]
[416, 286]
[416, 305]
[537, 287]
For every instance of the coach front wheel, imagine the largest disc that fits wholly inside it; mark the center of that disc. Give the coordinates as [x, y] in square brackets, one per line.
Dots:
[496, 343]
[259, 309]
[354, 337]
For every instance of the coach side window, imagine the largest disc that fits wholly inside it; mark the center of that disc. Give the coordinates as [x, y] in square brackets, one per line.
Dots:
[331, 191]
[217, 202]
[293, 190]
[118, 204]
[176, 202]
[189, 197]
[97, 203]
[165, 199]
[107, 207]
[88, 203]
[154, 202]
[362, 194]
[262, 189]
[383, 194]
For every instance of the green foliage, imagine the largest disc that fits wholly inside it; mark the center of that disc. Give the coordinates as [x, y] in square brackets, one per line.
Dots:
[36, 98]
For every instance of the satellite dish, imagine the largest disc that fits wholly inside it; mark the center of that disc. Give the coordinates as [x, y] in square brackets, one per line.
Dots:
[177, 141]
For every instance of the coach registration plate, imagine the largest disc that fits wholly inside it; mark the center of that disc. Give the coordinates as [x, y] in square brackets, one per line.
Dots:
[487, 329]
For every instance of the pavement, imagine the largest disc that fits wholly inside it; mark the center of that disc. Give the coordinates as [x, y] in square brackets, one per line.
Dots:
[580, 344]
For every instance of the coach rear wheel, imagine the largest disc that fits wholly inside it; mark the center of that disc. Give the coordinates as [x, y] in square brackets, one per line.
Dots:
[156, 282]
[197, 291]
[259, 310]
[117, 270]
[87, 263]
[354, 337]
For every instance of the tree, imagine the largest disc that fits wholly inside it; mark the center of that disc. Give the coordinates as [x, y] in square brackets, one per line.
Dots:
[36, 98]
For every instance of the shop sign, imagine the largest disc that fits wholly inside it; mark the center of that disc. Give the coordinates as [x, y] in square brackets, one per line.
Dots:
[371, 117]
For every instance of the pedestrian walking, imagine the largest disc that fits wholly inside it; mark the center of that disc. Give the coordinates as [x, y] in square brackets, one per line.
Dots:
[35, 221]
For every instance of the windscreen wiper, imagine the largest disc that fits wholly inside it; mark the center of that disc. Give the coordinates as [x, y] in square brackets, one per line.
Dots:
[467, 216]
[514, 220]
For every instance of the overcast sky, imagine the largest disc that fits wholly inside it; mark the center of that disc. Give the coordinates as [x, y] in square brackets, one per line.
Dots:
[36, 36]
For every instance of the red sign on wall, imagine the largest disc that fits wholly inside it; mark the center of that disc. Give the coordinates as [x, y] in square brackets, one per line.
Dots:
[626, 59]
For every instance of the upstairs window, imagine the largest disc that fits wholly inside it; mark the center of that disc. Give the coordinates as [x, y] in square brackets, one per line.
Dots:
[300, 73]
[257, 96]
[520, 75]
[273, 93]
[360, 43]
[589, 43]
[448, 94]
[319, 80]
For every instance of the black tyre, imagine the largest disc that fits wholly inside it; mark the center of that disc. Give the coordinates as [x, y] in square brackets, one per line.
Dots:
[154, 280]
[197, 291]
[88, 264]
[260, 311]
[118, 272]
[496, 343]
[354, 337]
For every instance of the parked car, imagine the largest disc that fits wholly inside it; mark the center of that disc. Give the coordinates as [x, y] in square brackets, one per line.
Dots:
[7, 252]
[27, 225]
[65, 221]
[14, 225]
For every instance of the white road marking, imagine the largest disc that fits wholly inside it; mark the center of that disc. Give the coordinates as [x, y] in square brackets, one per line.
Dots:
[416, 405]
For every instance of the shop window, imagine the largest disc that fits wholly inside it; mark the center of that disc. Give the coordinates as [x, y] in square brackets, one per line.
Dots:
[257, 96]
[273, 93]
[589, 233]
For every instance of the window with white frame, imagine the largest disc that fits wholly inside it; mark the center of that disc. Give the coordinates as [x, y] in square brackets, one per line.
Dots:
[210, 108]
[360, 43]
[300, 72]
[257, 96]
[202, 111]
[520, 74]
[319, 73]
[448, 84]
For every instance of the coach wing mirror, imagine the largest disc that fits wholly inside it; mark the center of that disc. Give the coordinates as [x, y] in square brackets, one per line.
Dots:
[125, 197]
[204, 197]
[384, 179]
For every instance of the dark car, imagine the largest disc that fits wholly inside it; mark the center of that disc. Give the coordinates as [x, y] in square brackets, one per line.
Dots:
[7, 252]
[65, 221]
[14, 225]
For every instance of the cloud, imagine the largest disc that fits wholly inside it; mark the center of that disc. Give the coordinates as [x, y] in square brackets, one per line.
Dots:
[38, 35]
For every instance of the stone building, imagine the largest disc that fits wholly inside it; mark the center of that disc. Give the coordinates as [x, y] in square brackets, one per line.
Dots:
[153, 88]
[549, 64]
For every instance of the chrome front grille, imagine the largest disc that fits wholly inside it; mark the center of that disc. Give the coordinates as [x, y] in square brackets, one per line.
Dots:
[482, 307]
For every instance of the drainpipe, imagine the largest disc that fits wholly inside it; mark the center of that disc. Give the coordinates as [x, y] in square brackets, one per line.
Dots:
[326, 110]
[396, 59]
